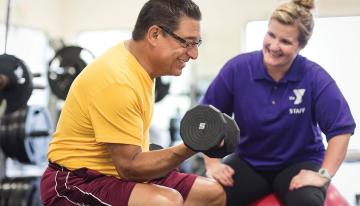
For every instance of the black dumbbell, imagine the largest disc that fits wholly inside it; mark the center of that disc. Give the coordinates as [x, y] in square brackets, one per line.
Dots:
[204, 127]
[231, 139]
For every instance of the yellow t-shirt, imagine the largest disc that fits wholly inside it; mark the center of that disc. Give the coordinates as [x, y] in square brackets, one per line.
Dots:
[111, 101]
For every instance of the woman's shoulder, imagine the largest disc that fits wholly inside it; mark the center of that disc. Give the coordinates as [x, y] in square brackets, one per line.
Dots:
[247, 56]
[313, 67]
[315, 71]
[243, 59]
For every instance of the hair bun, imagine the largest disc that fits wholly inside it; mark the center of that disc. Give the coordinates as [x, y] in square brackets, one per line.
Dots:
[309, 4]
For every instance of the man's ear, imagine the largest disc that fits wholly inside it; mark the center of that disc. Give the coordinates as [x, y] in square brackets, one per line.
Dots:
[153, 34]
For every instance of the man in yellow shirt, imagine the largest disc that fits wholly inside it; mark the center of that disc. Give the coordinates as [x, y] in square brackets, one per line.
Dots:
[99, 152]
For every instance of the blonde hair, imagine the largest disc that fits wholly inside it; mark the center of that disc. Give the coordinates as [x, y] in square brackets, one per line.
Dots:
[297, 12]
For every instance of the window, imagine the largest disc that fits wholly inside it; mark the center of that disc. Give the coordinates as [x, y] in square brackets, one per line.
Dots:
[99, 40]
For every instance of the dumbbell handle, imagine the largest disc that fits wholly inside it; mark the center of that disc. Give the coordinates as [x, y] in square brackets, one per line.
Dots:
[39, 87]
[35, 86]
[4, 81]
[39, 133]
[36, 74]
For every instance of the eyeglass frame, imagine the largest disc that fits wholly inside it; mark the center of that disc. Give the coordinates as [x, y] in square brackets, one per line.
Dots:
[183, 42]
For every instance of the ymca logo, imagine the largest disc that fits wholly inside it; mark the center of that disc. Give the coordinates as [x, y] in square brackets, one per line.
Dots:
[299, 93]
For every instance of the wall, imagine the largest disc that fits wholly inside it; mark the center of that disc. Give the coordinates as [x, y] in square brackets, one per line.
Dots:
[223, 29]
[222, 26]
[40, 14]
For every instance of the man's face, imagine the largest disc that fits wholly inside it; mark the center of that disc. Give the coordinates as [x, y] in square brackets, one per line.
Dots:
[177, 47]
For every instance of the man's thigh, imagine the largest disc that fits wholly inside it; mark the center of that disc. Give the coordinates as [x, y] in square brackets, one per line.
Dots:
[152, 194]
[173, 189]
[83, 187]
[206, 191]
[182, 182]
[60, 186]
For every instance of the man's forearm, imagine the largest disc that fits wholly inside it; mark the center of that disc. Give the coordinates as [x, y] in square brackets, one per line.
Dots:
[154, 164]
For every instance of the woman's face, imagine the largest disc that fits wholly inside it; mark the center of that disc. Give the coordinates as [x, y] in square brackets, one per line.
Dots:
[280, 45]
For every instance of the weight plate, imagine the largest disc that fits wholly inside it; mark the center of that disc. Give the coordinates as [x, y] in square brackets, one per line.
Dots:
[19, 88]
[161, 89]
[67, 63]
[202, 128]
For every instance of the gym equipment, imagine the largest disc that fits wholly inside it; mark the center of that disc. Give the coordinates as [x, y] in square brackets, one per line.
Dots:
[15, 90]
[15, 82]
[268, 200]
[174, 127]
[204, 127]
[25, 133]
[153, 146]
[161, 89]
[69, 61]
[15, 79]
[64, 67]
[232, 135]
[20, 191]
[333, 198]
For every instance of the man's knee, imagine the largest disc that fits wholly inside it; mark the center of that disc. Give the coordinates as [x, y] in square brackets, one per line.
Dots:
[147, 194]
[168, 197]
[306, 196]
[216, 194]
[206, 192]
[171, 197]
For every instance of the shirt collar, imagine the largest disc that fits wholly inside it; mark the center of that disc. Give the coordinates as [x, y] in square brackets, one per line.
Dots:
[295, 73]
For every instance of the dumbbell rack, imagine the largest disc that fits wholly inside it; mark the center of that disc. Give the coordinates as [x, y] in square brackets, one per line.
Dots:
[2, 155]
[2, 164]
[3, 103]
[23, 189]
[15, 90]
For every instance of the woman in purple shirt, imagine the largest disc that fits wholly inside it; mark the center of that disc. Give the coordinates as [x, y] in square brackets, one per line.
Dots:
[281, 102]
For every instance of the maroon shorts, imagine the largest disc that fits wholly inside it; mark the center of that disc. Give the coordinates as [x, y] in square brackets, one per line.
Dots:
[60, 186]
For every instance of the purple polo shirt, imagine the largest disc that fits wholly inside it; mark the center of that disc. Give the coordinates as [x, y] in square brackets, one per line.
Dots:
[280, 122]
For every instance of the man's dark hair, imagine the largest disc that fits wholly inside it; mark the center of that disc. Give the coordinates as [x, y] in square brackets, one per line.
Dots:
[165, 13]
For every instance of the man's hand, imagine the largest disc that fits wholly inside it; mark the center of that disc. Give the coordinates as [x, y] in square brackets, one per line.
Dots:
[307, 178]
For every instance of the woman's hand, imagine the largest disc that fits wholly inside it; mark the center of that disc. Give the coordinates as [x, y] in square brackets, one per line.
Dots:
[307, 178]
[220, 172]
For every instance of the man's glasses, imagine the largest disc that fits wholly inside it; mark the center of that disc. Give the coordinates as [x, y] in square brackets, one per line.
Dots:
[183, 42]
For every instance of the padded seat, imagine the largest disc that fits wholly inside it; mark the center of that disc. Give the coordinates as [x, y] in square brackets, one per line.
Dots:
[333, 198]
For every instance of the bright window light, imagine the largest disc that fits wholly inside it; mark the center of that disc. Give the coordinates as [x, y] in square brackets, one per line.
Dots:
[100, 40]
